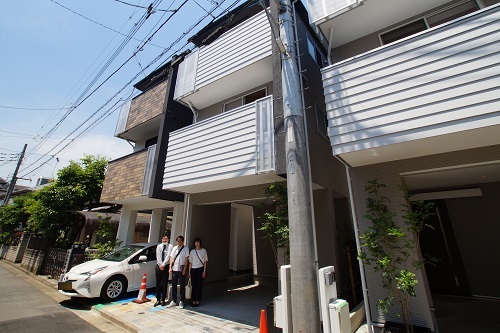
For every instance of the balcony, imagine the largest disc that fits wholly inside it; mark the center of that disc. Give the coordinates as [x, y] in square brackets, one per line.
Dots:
[343, 21]
[140, 119]
[128, 178]
[237, 61]
[433, 92]
[233, 149]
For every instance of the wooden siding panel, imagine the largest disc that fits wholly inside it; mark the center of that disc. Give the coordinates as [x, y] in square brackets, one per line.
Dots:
[438, 82]
[245, 44]
[221, 147]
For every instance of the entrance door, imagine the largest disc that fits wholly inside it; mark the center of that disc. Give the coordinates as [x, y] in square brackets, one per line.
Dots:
[447, 276]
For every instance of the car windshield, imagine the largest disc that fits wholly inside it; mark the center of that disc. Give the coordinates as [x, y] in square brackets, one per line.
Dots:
[122, 253]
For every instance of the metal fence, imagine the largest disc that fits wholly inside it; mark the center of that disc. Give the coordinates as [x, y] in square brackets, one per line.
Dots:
[54, 262]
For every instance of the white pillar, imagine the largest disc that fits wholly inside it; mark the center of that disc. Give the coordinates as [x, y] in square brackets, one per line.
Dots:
[155, 230]
[177, 221]
[126, 228]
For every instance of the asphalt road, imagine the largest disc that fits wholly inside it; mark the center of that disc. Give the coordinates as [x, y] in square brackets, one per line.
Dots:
[25, 306]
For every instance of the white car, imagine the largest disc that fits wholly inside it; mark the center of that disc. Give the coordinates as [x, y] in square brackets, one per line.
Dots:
[111, 276]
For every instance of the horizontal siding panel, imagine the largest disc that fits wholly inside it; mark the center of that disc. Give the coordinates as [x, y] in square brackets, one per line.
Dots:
[218, 148]
[243, 45]
[416, 134]
[446, 78]
[427, 82]
[427, 103]
[422, 44]
[464, 114]
[205, 179]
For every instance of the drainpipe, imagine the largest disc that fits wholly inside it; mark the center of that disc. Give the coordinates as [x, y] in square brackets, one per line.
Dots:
[194, 111]
[358, 246]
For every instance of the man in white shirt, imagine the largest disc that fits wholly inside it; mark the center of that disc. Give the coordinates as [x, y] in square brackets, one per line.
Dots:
[162, 269]
[178, 267]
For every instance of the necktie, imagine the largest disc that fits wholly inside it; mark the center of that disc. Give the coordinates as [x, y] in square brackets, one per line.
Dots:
[163, 253]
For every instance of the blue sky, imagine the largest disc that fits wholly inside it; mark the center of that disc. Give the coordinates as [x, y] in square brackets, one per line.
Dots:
[48, 57]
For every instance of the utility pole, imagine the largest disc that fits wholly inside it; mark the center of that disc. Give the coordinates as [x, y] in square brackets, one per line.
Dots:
[14, 177]
[303, 275]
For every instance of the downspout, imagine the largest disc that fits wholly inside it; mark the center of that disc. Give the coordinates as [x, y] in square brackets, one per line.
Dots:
[194, 111]
[358, 246]
[307, 136]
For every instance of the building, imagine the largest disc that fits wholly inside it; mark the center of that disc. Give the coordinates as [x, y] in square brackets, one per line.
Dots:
[411, 95]
[135, 181]
[234, 147]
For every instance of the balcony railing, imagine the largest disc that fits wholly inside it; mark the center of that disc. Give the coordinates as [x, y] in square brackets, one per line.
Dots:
[222, 149]
[214, 72]
[439, 82]
[126, 177]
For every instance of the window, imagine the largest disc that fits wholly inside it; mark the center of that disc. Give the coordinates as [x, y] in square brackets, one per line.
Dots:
[431, 20]
[246, 99]
[315, 53]
[322, 122]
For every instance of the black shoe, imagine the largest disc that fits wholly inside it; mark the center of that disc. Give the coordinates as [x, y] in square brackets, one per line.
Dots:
[163, 303]
[157, 303]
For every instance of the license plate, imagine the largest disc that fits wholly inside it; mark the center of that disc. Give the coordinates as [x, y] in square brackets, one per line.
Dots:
[66, 286]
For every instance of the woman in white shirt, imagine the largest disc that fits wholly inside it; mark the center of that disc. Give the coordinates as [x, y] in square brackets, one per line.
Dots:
[197, 271]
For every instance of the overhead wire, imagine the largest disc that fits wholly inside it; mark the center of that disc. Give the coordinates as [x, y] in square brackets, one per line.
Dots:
[111, 110]
[84, 96]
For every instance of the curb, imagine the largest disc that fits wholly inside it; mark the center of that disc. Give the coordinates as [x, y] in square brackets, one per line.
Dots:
[118, 322]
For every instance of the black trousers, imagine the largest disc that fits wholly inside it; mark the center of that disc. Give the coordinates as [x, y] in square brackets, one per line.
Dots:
[196, 284]
[178, 278]
[161, 282]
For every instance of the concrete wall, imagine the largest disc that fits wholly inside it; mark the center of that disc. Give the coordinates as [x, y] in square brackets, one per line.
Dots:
[32, 260]
[240, 254]
[266, 271]
[476, 225]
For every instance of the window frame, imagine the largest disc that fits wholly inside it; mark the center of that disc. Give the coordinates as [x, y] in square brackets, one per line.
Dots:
[478, 3]
[242, 99]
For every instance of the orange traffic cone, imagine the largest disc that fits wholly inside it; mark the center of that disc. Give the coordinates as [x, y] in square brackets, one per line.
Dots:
[141, 298]
[263, 322]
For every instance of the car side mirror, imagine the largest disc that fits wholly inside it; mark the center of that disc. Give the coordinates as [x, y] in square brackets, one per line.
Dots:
[143, 258]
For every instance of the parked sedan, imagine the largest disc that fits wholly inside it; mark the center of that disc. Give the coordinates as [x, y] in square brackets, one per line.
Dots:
[111, 276]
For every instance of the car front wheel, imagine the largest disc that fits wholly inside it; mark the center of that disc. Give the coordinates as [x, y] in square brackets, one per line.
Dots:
[114, 288]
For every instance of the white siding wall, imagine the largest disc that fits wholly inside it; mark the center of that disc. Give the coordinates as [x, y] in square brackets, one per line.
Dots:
[245, 44]
[237, 48]
[441, 81]
[217, 148]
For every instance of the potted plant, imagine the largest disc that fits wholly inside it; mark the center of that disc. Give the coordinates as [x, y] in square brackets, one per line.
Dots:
[393, 250]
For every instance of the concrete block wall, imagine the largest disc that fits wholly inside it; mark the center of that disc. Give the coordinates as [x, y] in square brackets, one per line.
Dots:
[15, 253]
[4, 248]
[124, 177]
[147, 105]
[32, 260]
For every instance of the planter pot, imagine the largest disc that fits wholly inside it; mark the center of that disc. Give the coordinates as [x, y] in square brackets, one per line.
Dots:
[391, 327]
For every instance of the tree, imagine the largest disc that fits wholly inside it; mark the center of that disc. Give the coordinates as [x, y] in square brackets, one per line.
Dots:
[275, 224]
[107, 233]
[12, 216]
[393, 251]
[78, 186]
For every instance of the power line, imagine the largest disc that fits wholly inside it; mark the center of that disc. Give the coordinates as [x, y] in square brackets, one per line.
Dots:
[102, 25]
[31, 109]
[83, 97]
[130, 4]
[142, 69]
